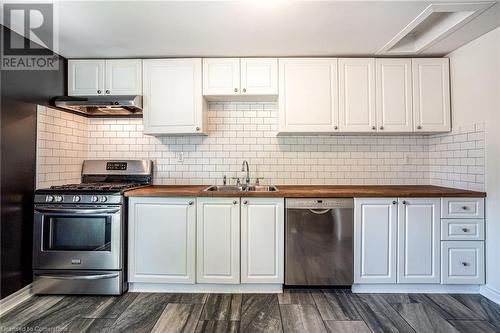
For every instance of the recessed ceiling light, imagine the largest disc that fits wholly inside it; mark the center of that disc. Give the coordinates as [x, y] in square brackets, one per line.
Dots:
[435, 23]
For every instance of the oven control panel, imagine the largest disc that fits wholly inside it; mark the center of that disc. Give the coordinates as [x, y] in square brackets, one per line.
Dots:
[78, 198]
[116, 166]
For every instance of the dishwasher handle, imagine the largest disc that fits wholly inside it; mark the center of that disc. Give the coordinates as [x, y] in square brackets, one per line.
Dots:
[319, 212]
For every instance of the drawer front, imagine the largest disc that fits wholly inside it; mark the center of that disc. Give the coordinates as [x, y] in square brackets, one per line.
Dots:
[462, 262]
[462, 208]
[462, 229]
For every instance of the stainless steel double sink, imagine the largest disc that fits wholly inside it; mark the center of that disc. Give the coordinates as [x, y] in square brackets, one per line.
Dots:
[241, 188]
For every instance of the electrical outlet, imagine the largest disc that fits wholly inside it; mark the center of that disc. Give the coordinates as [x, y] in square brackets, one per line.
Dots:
[407, 158]
[180, 157]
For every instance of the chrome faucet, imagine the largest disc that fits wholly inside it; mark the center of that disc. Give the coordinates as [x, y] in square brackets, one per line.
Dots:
[247, 179]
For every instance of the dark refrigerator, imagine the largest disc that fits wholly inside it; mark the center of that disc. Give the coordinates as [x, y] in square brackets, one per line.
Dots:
[21, 91]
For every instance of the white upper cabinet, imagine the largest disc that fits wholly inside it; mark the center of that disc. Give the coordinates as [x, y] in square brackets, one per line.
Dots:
[162, 240]
[86, 77]
[240, 77]
[221, 76]
[357, 95]
[104, 77]
[431, 95]
[394, 95]
[172, 96]
[375, 226]
[218, 240]
[124, 77]
[259, 76]
[419, 240]
[262, 240]
[308, 95]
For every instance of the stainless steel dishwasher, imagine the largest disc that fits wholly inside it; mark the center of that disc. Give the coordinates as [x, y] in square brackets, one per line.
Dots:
[319, 242]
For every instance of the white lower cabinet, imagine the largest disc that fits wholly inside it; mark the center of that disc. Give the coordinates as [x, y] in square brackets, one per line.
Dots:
[462, 262]
[162, 240]
[262, 240]
[375, 225]
[419, 240]
[218, 240]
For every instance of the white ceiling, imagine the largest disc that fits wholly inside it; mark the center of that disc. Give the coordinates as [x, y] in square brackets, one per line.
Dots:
[120, 29]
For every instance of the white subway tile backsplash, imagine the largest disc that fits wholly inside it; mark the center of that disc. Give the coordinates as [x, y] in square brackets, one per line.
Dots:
[239, 131]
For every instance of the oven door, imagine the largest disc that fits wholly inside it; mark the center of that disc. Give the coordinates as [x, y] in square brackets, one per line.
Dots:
[77, 238]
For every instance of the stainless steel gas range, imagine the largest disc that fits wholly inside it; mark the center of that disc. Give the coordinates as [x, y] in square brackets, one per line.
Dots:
[80, 230]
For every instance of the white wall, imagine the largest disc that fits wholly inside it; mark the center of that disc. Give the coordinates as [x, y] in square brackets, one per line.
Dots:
[475, 86]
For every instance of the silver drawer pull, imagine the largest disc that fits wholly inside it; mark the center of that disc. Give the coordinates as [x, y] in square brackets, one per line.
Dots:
[78, 277]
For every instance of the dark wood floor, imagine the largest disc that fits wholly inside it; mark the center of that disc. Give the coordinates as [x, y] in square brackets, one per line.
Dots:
[293, 311]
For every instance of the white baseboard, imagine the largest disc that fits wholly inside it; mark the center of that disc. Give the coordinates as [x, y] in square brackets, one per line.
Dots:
[205, 288]
[415, 288]
[490, 293]
[13, 300]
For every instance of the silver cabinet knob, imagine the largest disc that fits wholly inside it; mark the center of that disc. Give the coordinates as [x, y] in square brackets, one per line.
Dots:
[465, 264]
[394, 202]
[197, 129]
[245, 202]
[244, 90]
[190, 203]
[335, 127]
[374, 128]
[404, 202]
[107, 91]
[419, 127]
[98, 91]
[464, 207]
[235, 202]
[381, 127]
[465, 230]
[235, 89]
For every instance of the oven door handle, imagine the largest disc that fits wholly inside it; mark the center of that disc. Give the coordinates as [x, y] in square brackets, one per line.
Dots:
[78, 277]
[77, 211]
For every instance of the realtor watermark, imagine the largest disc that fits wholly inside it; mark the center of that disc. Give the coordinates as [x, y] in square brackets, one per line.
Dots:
[35, 21]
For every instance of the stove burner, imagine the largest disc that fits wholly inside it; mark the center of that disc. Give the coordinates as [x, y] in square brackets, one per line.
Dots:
[96, 186]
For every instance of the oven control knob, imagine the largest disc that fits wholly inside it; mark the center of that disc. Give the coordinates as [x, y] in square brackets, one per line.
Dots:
[76, 198]
[58, 198]
[103, 199]
[49, 198]
[94, 198]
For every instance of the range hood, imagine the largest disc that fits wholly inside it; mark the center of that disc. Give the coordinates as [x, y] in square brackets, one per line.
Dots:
[99, 106]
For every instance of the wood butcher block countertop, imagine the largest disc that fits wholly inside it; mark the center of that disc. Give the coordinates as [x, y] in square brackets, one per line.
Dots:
[309, 191]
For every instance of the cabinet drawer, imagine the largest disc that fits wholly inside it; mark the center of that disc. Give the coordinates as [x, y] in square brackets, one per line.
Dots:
[462, 262]
[462, 208]
[462, 229]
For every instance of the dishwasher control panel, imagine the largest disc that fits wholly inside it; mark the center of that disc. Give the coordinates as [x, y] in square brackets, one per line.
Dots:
[320, 203]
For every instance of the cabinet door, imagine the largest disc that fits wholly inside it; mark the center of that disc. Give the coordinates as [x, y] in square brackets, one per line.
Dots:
[221, 76]
[124, 77]
[162, 240]
[418, 241]
[259, 76]
[308, 96]
[394, 95]
[218, 240]
[462, 262]
[431, 95]
[85, 77]
[172, 98]
[262, 240]
[375, 224]
[357, 95]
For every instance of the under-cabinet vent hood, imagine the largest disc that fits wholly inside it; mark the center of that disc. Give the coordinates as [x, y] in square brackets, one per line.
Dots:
[99, 106]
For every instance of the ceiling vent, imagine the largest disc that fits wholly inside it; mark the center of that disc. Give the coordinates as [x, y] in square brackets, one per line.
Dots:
[435, 23]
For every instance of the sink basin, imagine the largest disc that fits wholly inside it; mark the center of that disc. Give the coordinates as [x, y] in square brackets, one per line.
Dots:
[242, 188]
